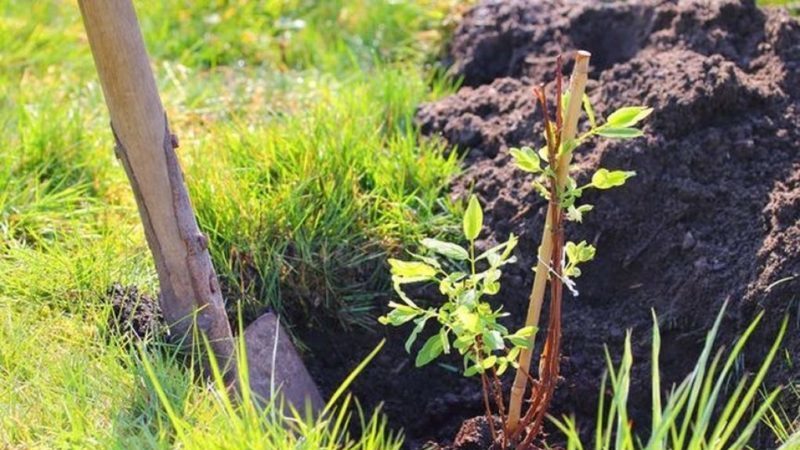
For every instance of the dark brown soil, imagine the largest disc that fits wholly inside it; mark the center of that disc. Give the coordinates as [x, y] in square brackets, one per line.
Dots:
[712, 214]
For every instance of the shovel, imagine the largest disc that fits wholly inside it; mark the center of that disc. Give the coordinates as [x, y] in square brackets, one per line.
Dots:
[191, 299]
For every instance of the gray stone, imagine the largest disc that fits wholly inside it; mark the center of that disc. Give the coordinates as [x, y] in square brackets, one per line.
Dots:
[291, 380]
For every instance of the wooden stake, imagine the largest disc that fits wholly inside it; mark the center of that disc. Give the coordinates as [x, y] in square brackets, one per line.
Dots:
[189, 288]
[190, 293]
[577, 88]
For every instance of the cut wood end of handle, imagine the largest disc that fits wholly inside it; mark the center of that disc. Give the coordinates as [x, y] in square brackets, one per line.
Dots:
[582, 61]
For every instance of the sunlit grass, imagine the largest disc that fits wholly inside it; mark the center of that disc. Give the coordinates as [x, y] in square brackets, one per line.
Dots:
[295, 121]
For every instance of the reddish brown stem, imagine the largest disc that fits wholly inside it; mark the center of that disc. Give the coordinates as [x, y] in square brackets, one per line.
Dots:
[488, 407]
[549, 360]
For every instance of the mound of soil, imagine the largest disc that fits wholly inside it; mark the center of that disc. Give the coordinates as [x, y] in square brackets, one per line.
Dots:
[714, 211]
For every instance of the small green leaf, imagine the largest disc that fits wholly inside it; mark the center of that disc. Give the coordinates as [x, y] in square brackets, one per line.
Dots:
[522, 338]
[573, 272]
[586, 251]
[587, 106]
[491, 288]
[463, 343]
[472, 370]
[619, 133]
[469, 320]
[430, 350]
[544, 154]
[415, 332]
[410, 271]
[468, 299]
[445, 340]
[575, 214]
[399, 315]
[493, 340]
[398, 288]
[488, 362]
[447, 249]
[578, 253]
[542, 190]
[606, 179]
[526, 159]
[502, 365]
[511, 243]
[473, 219]
[628, 116]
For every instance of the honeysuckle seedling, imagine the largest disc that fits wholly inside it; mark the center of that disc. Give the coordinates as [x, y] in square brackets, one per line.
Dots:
[558, 262]
[465, 321]
[468, 323]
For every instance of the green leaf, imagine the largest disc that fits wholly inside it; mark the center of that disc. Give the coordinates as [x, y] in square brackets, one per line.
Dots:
[463, 343]
[493, 340]
[587, 106]
[578, 253]
[445, 339]
[447, 249]
[526, 159]
[619, 133]
[473, 219]
[472, 370]
[399, 315]
[544, 154]
[572, 272]
[469, 320]
[489, 362]
[606, 179]
[576, 214]
[628, 116]
[410, 271]
[511, 243]
[502, 365]
[428, 260]
[430, 350]
[542, 190]
[522, 338]
[415, 332]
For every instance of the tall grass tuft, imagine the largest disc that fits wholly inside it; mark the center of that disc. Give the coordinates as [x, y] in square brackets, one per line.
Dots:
[700, 413]
[249, 422]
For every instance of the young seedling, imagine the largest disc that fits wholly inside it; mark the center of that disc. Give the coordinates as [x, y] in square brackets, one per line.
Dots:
[558, 261]
[466, 321]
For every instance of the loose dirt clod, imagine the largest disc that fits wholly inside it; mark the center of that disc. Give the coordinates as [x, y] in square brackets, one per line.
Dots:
[714, 211]
[134, 315]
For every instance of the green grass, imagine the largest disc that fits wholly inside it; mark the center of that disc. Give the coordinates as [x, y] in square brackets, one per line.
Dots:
[295, 122]
[792, 5]
[711, 409]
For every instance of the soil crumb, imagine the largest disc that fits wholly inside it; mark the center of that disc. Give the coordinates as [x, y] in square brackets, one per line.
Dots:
[713, 214]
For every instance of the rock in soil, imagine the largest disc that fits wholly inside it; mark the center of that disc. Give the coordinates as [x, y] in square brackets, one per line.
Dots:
[713, 214]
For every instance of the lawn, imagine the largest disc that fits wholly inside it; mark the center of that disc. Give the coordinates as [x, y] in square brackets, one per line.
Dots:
[295, 123]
